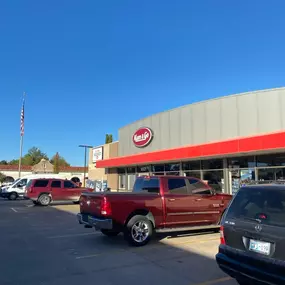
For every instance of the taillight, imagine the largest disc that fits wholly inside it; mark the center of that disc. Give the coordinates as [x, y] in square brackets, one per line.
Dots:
[106, 207]
[81, 200]
[222, 236]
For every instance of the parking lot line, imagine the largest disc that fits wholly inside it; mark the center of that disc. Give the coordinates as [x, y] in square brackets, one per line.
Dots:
[14, 210]
[71, 235]
[100, 254]
[215, 281]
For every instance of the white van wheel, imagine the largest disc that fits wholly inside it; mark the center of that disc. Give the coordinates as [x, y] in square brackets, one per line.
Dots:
[13, 196]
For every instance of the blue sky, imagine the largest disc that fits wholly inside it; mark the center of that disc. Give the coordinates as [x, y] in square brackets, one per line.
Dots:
[91, 67]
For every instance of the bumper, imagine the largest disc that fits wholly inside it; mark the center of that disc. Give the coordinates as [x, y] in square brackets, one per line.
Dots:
[251, 272]
[97, 223]
[4, 195]
[30, 198]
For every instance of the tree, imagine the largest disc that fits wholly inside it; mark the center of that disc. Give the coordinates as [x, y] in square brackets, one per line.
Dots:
[109, 138]
[2, 177]
[59, 160]
[3, 162]
[34, 156]
[55, 163]
[14, 162]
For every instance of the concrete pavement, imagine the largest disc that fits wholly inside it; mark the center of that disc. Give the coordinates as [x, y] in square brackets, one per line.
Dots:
[45, 245]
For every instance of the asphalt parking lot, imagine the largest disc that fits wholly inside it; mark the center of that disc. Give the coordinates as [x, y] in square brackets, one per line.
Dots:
[46, 245]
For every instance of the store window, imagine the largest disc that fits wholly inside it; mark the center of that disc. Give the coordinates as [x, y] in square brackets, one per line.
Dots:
[194, 174]
[157, 168]
[242, 162]
[271, 160]
[280, 173]
[172, 169]
[269, 174]
[131, 170]
[215, 179]
[143, 169]
[266, 174]
[191, 165]
[212, 164]
[121, 170]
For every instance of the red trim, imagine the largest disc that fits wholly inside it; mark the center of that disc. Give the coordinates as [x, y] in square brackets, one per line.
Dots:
[241, 145]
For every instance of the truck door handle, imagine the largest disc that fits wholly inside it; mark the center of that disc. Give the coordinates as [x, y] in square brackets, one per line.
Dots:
[198, 199]
[171, 199]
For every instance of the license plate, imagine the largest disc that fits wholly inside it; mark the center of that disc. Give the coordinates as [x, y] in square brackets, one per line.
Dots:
[259, 246]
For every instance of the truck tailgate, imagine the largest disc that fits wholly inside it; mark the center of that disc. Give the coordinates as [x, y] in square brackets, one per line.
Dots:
[90, 203]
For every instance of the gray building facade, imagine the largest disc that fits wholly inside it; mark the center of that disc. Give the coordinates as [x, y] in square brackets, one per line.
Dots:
[253, 123]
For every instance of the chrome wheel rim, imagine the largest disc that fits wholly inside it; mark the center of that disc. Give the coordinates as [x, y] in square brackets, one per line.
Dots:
[140, 231]
[45, 200]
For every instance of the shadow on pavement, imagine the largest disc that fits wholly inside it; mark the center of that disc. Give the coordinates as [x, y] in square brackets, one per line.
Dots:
[47, 246]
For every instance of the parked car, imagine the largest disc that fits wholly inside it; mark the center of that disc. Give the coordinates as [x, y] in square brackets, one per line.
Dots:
[252, 248]
[157, 204]
[44, 191]
[18, 187]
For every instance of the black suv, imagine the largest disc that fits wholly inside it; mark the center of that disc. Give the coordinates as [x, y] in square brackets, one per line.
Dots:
[252, 248]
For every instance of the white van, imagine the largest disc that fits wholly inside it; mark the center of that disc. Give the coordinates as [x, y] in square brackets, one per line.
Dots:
[17, 189]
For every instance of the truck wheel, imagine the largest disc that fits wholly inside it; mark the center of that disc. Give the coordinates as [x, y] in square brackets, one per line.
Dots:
[138, 231]
[44, 200]
[110, 233]
[13, 196]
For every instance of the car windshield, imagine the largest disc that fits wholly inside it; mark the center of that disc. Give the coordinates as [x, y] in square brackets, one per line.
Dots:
[260, 204]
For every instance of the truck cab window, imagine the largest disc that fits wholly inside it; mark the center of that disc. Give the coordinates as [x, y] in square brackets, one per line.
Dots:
[177, 186]
[150, 185]
[197, 187]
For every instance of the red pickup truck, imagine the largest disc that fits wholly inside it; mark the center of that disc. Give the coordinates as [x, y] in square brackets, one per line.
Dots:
[157, 204]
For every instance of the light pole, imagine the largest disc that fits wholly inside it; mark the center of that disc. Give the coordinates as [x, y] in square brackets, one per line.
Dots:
[85, 160]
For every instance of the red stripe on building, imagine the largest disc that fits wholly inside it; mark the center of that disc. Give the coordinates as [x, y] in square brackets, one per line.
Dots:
[259, 143]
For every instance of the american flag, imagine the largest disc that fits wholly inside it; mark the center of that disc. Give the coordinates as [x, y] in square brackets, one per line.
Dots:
[22, 128]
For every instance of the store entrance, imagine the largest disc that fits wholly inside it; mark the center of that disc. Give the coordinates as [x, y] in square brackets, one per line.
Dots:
[240, 177]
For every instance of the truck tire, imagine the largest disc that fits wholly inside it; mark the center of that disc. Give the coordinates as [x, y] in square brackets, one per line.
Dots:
[44, 200]
[138, 231]
[110, 233]
[13, 196]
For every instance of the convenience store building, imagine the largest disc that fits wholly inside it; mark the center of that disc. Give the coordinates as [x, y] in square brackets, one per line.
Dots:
[227, 142]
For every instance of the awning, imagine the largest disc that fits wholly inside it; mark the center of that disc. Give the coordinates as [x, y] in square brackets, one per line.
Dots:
[260, 143]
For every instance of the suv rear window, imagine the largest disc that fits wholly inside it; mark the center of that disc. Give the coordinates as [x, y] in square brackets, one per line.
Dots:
[41, 183]
[266, 204]
[150, 185]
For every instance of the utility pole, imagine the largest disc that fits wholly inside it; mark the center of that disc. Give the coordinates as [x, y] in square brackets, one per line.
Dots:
[85, 160]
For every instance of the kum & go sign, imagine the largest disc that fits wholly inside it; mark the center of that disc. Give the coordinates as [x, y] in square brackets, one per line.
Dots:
[142, 137]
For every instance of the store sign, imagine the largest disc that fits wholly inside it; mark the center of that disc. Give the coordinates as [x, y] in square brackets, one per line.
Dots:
[97, 154]
[142, 137]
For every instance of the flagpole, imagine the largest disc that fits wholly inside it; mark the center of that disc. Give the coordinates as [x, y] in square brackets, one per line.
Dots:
[21, 154]
[22, 135]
